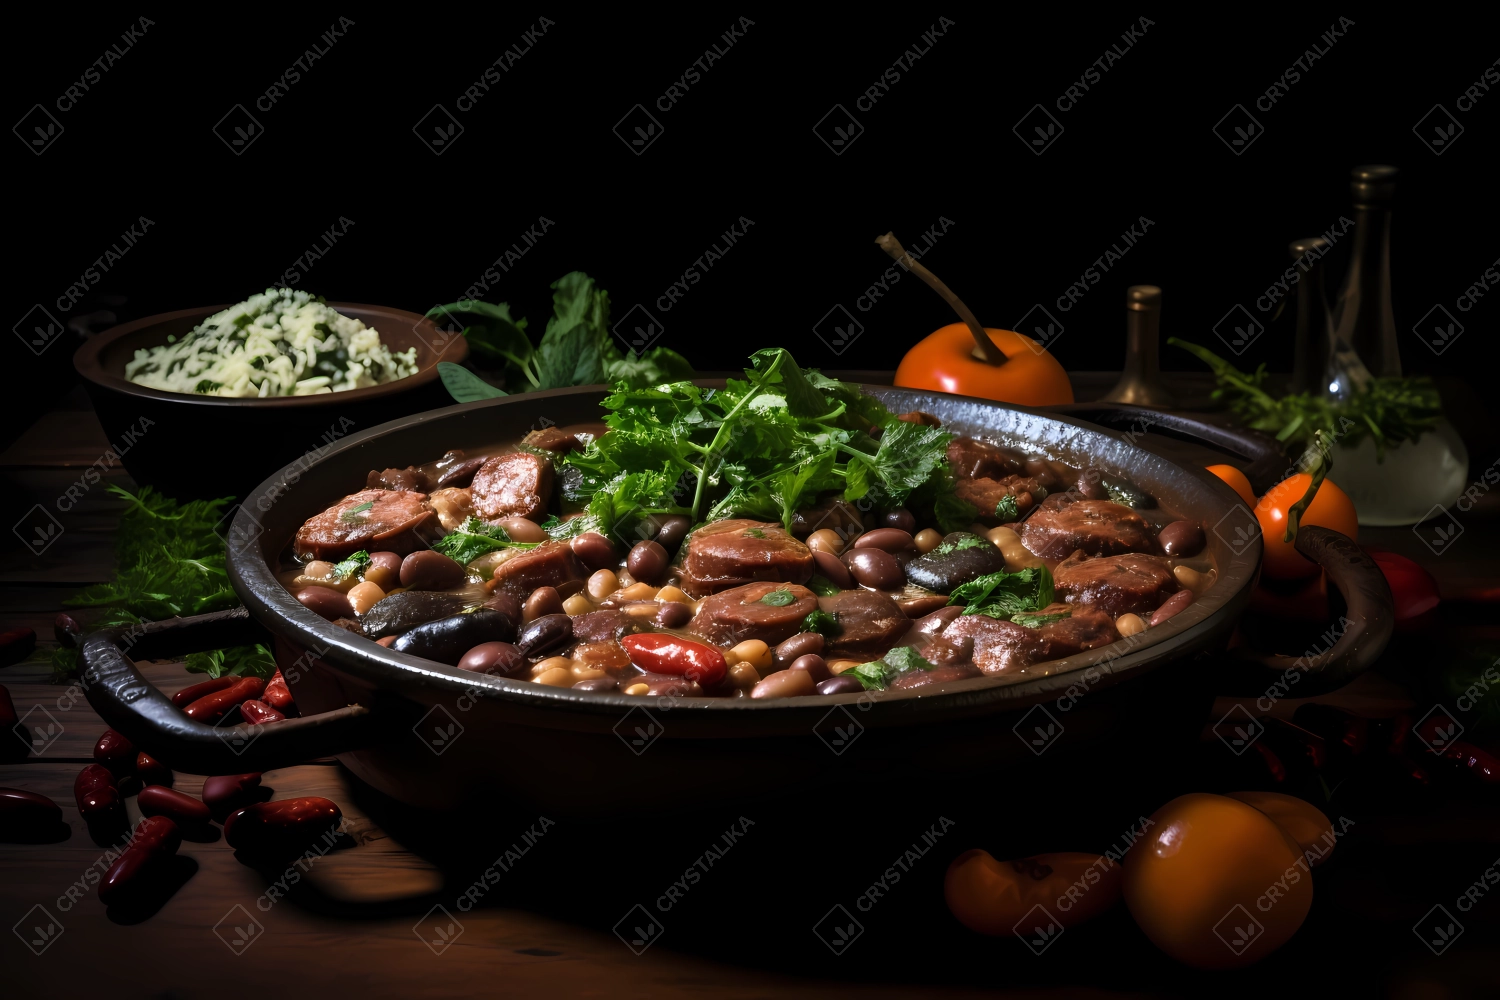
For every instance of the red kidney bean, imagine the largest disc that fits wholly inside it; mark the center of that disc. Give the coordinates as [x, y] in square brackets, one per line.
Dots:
[116, 752]
[814, 665]
[800, 644]
[277, 694]
[674, 528]
[156, 800]
[890, 539]
[543, 601]
[429, 570]
[784, 684]
[95, 792]
[841, 684]
[66, 630]
[258, 713]
[876, 568]
[16, 644]
[919, 607]
[647, 561]
[900, 518]
[211, 707]
[225, 793]
[387, 641]
[144, 862]
[1181, 539]
[833, 569]
[188, 695]
[595, 551]
[24, 813]
[597, 684]
[1171, 606]
[386, 560]
[937, 621]
[285, 826]
[545, 634]
[677, 687]
[494, 658]
[522, 530]
[667, 654]
[673, 614]
[326, 602]
[152, 771]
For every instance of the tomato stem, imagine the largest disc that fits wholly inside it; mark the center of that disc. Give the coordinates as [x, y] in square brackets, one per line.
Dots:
[985, 348]
[1321, 454]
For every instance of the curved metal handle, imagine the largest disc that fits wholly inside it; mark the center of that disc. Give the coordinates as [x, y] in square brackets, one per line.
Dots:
[1366, 625]
[132, 705]
[1267, 466]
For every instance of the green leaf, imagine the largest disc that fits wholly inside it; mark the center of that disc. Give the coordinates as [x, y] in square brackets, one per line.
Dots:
[968, 541]
[779, 598]
[1003, 594]
[822, 586]
[655, 367]
[821, 622]
[1037, 621]
[801, 398]
[495, 336]
[355, 565]
[474, 538]
[879, 674]
[463, 385]
[352, 515]
[236, 661]
[1007, 510]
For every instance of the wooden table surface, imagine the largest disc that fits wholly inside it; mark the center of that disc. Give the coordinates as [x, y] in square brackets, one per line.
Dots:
[361, 918]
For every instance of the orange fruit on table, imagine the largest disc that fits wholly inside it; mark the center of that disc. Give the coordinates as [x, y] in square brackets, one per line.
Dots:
[1302, 821]
[994, 897]
[1331, 508]
[1236, 480]
[1215, 883]
[944, 362]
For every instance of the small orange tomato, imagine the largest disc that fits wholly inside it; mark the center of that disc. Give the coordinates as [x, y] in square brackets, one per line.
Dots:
[1215, 883]
[993, 897]
[1236, 480]
[944, 362]
[1331, 508]
[1302, 821]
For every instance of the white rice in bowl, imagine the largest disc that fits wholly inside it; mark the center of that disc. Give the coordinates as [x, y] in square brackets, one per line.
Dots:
[279, 343]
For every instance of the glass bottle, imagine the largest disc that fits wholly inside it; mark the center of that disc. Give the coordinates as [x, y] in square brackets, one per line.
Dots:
[1140, 381]
[1314, 326]
[1364, 319]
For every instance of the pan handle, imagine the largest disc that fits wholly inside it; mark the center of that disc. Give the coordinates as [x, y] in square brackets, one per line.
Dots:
[1266, 466]
[1364, 629]
[132, 705]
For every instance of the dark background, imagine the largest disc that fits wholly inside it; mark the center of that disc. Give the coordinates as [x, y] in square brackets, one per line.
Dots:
[740, 143]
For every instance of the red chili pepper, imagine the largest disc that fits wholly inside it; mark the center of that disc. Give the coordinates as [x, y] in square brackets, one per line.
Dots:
[258, 713]
[667, 654]
[278, 695]
[188, 695]
[211, 707]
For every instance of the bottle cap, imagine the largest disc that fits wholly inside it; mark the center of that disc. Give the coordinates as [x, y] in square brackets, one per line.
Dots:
[1373, 183]
[1143, 297]
[1317, 245]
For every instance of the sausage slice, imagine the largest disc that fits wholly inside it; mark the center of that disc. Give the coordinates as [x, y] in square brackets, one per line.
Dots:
[550, 564]
[1132, 582]
[1002, 647]
[973, 459]
[733, 553]
[1065, 522]
[390, 517]
[514, 485]
[734, 616]
[871, 624]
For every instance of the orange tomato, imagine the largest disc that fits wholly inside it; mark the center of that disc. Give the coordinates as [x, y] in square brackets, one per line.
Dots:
[1236, 480]
[994, 897]
[944, 362]
[1215, 883]
[1302, 821]
[1331, 508]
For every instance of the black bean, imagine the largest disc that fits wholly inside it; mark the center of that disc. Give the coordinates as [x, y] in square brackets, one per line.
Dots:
[674, 527]
[673, 614]
[900, 518]
[404, 611]
[876, 569]
[493, 658]
[429, 570]
[832, 569]
[798, 645]
[448, 639]
[677, 687]
[647, 561]
[941, 573]
[325, 601]
[842, 684]
[1181, 538]
[597, 684]
[545, 634]
[595, 551]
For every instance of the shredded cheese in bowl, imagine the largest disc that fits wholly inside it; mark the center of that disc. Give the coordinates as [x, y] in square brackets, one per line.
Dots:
[279, 343]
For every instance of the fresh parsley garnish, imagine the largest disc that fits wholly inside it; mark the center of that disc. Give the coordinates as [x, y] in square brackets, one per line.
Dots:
[1007, 510]
[351, 516]
[474, 538]
[355, 565]
[822, 586]
[879, 674]
[1004, 594]
[822, 622]
[754, 533]
[779, 598]
[1037, 621]
[240, 661]
[966, 542]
